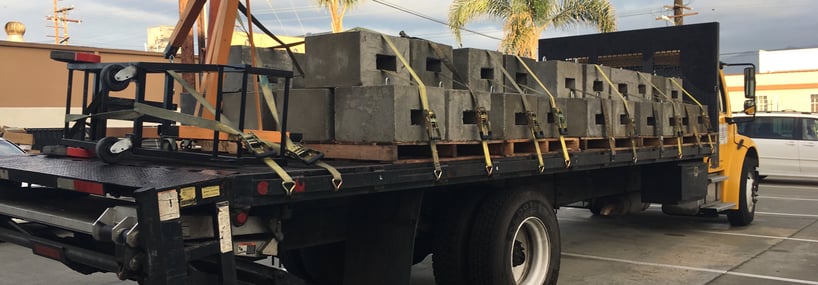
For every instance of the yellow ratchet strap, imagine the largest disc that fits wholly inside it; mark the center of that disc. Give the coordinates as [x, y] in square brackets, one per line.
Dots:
[431, 119]
[482, 116]
[295, 150]
[559, 118]
[705, 116]
[533, 123]
[631, 130]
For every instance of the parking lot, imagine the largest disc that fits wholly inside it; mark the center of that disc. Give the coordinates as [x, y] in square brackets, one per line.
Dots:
[780, 247]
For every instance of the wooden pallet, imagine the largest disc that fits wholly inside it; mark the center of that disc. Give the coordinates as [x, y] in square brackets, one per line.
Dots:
[672, 141]
[526, 147]
[447, 151]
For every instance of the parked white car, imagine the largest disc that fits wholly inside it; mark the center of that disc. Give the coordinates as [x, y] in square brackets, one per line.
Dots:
[787, 142]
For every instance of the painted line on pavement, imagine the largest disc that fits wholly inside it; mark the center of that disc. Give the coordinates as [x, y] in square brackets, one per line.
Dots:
[787, 214]
[718, 271]
[787, 198]
[759, 236]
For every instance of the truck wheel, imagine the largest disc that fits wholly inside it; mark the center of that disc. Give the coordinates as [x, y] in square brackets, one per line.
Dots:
[748, 193]
[515, 240]
[452, 231]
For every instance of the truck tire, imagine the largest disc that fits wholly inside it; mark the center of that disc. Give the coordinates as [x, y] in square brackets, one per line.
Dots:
[515, 239]
[451, 239]
[748, 192]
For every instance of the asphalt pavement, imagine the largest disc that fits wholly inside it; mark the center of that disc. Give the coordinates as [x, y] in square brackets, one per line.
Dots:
[780, 247]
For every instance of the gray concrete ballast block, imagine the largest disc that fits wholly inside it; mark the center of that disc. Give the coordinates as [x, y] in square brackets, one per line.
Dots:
[356, 58]
[563, 79]
[479, 69]
[310, 113]
[520, 75]
[427, 59]
[385, 114]
[508, 116]
[594, 83]
[461, 121]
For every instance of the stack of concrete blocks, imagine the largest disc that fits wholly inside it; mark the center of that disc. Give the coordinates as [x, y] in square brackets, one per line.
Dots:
[433, 62]
[584, 113]
[627, 84]
[669, 103]
[481, 72]
[374, 99]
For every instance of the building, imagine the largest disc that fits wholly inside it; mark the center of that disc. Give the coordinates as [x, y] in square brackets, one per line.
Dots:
[787, 80]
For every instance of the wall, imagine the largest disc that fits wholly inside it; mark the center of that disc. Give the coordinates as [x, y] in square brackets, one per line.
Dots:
[33, 87]
[789, 90]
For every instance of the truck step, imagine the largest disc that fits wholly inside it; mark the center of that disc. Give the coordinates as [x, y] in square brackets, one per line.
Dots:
[716, 178]
[718, 206]
[76, 214]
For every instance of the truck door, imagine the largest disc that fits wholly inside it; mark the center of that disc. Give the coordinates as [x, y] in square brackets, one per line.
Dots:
[808, 147]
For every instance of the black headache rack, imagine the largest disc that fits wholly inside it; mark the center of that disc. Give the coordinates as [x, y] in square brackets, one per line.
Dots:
[690, 52]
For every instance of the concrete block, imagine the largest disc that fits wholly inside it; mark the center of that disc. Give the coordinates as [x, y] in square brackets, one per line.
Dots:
[662, 114]
[665, 86]
[461, 121]
[298, 78]
[584, 116]
[520, 75]
[231, 108]
[270, 58]
[479, 69]
[508, 117]
[356, 58]
[644, 87]
[563, 79]
[695, 118]
[626, 82]
[385, 114]
[676, 112]
[310, 113]
[640, 112]
[594, 82]
[428, 61]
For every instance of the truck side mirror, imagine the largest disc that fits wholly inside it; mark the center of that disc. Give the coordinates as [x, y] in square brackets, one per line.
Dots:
[750, 90]
[750, 82]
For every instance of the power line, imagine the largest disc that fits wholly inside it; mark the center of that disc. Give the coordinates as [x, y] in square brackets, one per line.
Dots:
[405, 10]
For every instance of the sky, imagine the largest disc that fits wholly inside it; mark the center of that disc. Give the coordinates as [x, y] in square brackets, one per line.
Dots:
[747, 25]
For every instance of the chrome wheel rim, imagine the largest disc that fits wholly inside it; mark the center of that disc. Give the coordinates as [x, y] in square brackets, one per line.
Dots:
[530, 252]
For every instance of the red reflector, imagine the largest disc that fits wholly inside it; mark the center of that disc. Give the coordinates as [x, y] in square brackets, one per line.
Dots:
[240, 218]
[89, 187]
[300, 186]
[48, 251]
[87, 57]
[263, 188]
[78, 152]
[74, 57]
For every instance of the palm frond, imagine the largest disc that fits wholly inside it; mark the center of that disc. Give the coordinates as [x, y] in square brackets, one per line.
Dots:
[597, 13]
[463, 11]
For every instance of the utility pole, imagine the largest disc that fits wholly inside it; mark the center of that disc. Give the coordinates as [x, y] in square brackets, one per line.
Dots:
[60, 21]
[678, 13]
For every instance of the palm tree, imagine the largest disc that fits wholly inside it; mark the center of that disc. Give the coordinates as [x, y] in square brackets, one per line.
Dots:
[525, 20]
[337, 9]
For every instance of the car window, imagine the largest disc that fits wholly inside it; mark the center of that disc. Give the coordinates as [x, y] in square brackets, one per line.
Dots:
[769, 128]
[809, 129]
[6, 148]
